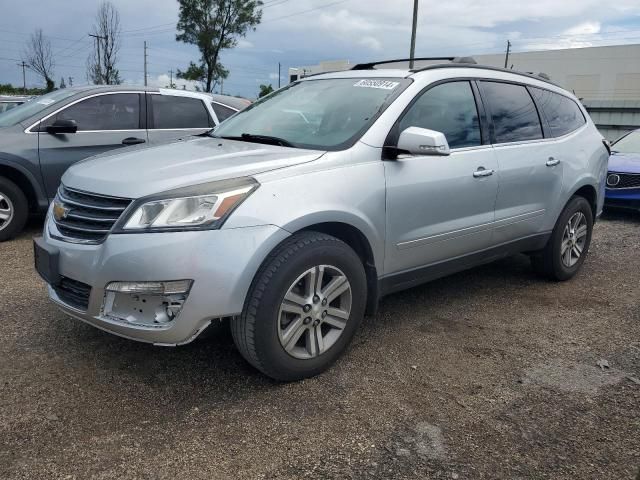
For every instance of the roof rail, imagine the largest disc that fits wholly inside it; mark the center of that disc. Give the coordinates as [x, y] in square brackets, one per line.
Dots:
[369, 66]
[543, 77]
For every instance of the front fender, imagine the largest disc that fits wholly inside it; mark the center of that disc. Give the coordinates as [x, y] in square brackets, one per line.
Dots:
[16, 164]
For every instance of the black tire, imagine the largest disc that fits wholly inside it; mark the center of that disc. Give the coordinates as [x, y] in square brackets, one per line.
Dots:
[19, 206]
[548, 262]
[255, 332]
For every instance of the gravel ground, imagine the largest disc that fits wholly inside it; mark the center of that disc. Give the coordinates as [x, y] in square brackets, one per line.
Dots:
[491, 373]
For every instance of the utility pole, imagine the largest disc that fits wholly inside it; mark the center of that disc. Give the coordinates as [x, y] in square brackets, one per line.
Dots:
[170, 78]
[412, 53]
[221, 85]
[98, 38]
[506, 58]
[145, 63]
[278, 74]
[24, 77]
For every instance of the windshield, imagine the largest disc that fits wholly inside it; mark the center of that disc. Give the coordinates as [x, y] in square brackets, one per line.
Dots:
[32, 107]
[328, 114]
[628, 144]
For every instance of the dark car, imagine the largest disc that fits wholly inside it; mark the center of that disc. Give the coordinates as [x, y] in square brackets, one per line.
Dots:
[40, 139]
[623, 177]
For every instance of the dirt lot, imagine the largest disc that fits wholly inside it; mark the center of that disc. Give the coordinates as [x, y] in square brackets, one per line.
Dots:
[491, 373]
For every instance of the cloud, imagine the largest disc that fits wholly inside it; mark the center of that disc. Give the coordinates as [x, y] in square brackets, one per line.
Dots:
[243, 43]
[356, 30]
[584, 28]
[163, 80]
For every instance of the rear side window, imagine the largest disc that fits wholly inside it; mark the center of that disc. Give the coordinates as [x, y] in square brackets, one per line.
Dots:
[119, 111]
[513, 113]
[449, 108]
[562, 113]
[170, 112]
[222, 112]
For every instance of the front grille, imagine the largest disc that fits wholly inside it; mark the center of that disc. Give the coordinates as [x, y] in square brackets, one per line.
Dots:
[87, 217]
[73, 293]
[626, 180]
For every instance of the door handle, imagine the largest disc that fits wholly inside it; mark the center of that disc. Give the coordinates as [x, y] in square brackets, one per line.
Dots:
[133, 141]
[482, 172]
[552, 162]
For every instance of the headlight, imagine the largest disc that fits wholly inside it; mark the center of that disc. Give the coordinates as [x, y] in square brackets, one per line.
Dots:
[193, 208]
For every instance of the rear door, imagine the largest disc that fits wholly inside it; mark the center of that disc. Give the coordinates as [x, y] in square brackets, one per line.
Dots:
[170, 117]
[106, 121]
[529, 176]
[441, 207]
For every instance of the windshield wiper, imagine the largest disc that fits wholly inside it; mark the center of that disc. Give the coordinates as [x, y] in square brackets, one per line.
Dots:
[268, 139]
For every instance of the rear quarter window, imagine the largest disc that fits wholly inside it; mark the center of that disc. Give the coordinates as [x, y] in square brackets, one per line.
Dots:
[563, 114]
[222, 112]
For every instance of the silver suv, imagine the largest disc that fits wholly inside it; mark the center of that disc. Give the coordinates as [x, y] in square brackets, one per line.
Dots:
[295, 216]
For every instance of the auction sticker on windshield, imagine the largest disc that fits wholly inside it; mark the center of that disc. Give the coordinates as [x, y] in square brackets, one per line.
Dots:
[383, 84]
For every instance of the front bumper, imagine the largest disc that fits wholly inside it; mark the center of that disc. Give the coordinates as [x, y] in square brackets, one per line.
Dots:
[627, 198]
[221, 263]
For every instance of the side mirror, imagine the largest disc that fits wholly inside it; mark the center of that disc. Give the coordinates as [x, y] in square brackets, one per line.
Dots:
[421, 141]
[63, 126]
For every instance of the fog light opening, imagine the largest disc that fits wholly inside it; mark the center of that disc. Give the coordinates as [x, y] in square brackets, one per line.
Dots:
[146, 304]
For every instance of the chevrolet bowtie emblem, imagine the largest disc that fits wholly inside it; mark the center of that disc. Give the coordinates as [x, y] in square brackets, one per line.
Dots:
[59, 211]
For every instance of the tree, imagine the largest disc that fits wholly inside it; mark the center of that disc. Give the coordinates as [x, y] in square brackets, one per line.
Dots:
[101, 63]
[40, 57]
[214, 26]
[198, 73]
[265, 90]
[62, 84]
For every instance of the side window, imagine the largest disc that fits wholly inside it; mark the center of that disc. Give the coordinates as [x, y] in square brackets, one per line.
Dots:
[222, 112]
[179, 112]
[562, 113]
[119, 111]
[449, 108]
[513, 112]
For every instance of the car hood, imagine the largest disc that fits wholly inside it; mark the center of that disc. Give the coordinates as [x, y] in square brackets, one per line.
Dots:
[624, 162]
[138, 172]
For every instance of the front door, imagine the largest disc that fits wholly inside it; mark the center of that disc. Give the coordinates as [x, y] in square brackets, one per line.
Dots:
[441, 207]
[105, 122]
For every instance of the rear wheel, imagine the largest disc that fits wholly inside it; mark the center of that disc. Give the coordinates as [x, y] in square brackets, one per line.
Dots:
[13, 209]
[303, 308]
[568, 246]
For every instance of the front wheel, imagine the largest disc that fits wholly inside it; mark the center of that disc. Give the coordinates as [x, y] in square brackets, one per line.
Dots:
[13, 209]
[568, 246]
[303, 308]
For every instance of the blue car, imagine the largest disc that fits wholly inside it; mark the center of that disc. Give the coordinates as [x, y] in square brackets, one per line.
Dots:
[623, 178]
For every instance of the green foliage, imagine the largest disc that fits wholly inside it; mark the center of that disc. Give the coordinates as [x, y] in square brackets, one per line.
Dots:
[8, 89]
[265, 90]
[214, 26]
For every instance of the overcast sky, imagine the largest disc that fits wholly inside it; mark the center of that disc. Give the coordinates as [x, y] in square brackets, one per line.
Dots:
[305, 32]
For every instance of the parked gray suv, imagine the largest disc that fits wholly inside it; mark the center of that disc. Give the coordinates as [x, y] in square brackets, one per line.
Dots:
[295, 216]
[40, 139]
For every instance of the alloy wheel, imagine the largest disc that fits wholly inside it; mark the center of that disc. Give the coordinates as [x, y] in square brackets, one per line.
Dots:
[314, 312]
[574, 239]
[6, 211]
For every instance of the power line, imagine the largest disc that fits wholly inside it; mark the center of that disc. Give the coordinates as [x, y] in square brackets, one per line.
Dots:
[305, 11]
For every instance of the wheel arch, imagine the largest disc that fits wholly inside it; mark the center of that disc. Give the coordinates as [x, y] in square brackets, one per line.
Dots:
[360, 243]
[26, 182]
[590, 194]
